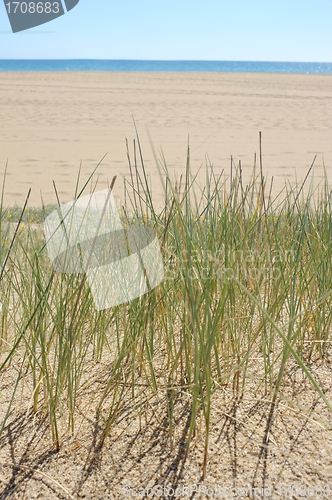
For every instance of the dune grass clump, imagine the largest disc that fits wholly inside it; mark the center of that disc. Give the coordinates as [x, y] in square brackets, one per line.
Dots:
[247, 277]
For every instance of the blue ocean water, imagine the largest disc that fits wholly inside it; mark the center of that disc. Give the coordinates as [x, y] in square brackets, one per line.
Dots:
[163, 66]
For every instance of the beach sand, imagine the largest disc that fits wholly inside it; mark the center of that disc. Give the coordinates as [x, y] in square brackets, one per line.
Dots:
[51, 122]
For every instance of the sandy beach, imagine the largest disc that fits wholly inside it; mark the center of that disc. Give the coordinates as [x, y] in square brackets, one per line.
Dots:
[218, 381]
[50, 122]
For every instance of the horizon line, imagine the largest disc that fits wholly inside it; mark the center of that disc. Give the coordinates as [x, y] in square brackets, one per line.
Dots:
[164, 60]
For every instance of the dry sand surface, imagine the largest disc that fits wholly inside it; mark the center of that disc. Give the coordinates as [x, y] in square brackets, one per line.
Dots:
[52, 121]
[290, 460]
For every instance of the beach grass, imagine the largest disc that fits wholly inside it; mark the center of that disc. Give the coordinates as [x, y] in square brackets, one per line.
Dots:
[248, 281]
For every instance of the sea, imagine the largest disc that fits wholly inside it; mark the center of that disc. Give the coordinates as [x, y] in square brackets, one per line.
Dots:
[164, 66]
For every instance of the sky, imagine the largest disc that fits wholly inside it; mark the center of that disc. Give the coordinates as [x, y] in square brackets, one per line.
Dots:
[222, 30]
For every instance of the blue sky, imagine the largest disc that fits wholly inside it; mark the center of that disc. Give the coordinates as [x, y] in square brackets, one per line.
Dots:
[243, 30]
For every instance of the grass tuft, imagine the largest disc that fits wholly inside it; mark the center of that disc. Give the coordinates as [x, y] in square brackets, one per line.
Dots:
[247, 277]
